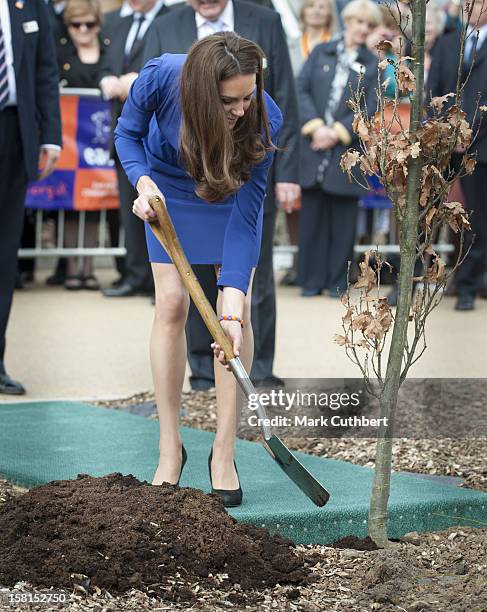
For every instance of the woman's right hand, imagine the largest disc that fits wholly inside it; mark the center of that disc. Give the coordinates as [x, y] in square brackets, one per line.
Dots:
[234, 331]
[147, 189]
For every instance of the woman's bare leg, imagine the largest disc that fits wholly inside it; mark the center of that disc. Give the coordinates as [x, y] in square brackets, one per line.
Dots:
[228, 405]
[168, 362]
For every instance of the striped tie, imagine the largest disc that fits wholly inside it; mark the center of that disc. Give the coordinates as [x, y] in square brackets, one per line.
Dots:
[4, 92]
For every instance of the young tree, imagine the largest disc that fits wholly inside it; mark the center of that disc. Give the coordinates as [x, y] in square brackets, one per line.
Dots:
[413, 163]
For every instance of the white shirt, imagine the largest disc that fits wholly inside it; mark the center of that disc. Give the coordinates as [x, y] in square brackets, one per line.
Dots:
[58, 7]
[126, 9]
[224, 23]
[148, 19]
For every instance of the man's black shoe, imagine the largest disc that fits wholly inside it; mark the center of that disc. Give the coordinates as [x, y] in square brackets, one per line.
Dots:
[27, 276]
[270, 382]
[56, 279]
[310, 292]
[125, 290]
[465, 302]
[289, 279]
[9, 386]
[116, 283]
[59, 275]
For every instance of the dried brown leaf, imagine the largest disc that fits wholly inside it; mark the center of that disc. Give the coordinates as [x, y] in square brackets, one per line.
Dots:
[455, 215]
[384, 315]
[361, 321]
[348, 161]
[415, 150]
[340, 340]
[365, 165]
[360, 127]
[374, 330]
[384, 45]
[405, 79]
[457, 119]
[436, 271]
[438, 102]
[366, 280]
[429, 216]
[347, 317]
[469, 162]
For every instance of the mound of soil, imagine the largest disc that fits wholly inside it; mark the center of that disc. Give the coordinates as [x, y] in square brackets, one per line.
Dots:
[355, 543]
[118, 533]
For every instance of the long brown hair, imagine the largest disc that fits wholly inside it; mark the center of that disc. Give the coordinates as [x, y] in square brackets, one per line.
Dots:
[218, 158]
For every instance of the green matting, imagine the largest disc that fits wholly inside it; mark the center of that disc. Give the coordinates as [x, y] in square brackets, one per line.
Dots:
[45, 441]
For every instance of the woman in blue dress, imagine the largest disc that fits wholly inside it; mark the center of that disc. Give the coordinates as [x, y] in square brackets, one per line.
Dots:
[199, 131]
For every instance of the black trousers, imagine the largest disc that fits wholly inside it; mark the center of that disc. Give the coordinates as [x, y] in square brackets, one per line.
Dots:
[327, 227]
[13, 186]
[263, 313]
[137, 268]
[28, 240]
[470, 275]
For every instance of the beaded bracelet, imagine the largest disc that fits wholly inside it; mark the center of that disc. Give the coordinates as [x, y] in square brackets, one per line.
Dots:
[232, 318]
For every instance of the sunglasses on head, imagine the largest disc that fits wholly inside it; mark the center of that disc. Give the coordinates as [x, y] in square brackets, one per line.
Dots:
[78, 24]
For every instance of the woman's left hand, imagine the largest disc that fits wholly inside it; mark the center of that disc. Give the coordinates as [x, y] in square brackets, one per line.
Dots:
[323, 138]
[234, 331]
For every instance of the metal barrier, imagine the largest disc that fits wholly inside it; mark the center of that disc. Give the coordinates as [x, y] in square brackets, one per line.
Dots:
[59, 250]
[363, 248]
[56, 247]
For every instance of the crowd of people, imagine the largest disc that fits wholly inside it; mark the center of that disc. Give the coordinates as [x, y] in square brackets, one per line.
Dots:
[76, 45]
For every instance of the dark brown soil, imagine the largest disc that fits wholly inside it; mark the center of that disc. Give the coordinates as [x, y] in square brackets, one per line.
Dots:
[118, 533]
[355, 543]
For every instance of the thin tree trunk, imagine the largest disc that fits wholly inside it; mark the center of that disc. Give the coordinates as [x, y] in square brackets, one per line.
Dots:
[408, 238]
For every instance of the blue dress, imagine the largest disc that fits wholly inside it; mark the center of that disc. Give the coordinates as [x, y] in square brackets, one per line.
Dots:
[147, 142]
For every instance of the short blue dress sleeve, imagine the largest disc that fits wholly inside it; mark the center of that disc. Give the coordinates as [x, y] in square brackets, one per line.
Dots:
[152, 92]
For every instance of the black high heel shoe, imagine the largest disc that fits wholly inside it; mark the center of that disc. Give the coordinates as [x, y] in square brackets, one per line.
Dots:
[184, 458]
[230, 497]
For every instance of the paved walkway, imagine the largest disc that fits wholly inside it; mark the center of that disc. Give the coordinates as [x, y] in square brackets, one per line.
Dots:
[80, 345]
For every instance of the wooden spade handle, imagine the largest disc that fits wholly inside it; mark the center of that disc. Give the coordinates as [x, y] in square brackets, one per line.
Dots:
[164, 231]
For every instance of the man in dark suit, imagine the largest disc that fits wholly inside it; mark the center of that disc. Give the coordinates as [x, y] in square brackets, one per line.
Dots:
[442, 80]
[175, 33]
[122, 63]
[30, 134]
[55, 11]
